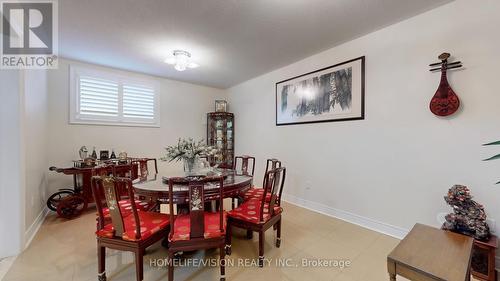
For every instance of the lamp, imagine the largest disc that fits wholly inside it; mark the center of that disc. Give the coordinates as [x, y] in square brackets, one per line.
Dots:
[181, 60]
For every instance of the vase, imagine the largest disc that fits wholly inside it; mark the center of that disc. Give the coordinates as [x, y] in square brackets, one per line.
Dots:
[190, 166]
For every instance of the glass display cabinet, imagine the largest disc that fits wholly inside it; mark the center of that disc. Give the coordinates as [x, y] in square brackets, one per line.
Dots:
[220, 134]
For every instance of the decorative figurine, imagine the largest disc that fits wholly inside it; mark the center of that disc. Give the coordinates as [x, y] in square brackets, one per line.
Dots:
[94, 154]
[444, 102]
[83, 152]
[221, 106]
[122, 157]
[113, 155]
[468, 216]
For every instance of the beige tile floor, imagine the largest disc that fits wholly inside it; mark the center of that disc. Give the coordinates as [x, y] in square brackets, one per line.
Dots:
[65, 250]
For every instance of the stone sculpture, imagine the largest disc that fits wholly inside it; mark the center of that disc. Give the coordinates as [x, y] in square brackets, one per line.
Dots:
[468, 216]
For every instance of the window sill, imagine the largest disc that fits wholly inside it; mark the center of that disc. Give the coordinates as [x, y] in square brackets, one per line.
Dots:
[116, 124]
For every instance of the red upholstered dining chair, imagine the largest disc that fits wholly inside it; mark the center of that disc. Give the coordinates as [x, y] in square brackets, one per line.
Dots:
[198, 229]
[125, 169]
[143, 166]
[257, 192]
[133, 232]
[122, 196]
[243, 165]
[258, 214]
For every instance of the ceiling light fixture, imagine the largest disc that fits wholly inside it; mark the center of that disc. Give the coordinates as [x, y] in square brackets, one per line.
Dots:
[181, 60]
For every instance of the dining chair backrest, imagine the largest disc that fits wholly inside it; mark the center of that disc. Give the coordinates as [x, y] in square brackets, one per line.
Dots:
[103, 170]
[143, 168]
[244, 165]
[196, 197]
[271, 164]
[125, 169]
[108, 187]
[273, 185]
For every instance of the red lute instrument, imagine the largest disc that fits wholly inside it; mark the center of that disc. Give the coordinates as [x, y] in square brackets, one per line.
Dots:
[444, 102]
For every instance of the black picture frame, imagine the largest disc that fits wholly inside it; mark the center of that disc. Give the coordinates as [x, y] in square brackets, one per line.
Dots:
[104, 155]
[361, 94]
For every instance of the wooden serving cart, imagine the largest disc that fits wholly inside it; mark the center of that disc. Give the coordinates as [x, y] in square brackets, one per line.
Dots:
[71, 202]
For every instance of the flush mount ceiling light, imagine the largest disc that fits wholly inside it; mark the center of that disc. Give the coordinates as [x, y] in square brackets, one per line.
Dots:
[181, 60]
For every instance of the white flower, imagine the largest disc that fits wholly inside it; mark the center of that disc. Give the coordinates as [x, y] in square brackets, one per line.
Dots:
[188, 149]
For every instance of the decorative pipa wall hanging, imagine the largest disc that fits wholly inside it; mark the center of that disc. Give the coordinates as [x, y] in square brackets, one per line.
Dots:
[444, 102]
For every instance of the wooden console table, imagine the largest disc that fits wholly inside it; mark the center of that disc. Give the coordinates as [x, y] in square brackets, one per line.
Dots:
[428, 253]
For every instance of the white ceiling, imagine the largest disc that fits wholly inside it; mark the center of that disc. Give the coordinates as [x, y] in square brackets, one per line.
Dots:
[232, 40]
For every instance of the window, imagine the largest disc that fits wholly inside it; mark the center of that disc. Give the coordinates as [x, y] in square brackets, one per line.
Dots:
[107, 98]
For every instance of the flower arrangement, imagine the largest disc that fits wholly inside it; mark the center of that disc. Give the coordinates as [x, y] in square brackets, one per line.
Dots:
[188, 150]
[495, 156]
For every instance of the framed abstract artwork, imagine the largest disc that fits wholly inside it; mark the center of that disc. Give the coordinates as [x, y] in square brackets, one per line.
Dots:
[334, 93]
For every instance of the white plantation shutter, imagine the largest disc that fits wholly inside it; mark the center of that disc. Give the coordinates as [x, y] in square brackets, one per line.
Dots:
[98, 97]
[138, 102]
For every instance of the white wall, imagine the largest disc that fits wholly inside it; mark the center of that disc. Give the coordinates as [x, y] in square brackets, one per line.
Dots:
[183, 114]
[23, 156]
[35, 141]
[392, 169]
[11, 209]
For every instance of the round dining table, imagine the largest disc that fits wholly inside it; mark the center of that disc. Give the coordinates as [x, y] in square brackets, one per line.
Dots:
[156, 189]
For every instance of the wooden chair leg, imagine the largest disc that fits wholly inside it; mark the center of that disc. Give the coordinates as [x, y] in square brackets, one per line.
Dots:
[171, 266]
[164, 242]
[222, 264]
[261, 248]
[229, 234]
[249, 234]
[278, 234]
[233, 204]
[101, 267]
[139, 266]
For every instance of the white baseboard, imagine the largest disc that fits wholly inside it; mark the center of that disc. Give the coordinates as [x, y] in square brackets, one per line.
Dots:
[34, 227]
[365, 222]
[29, 234]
